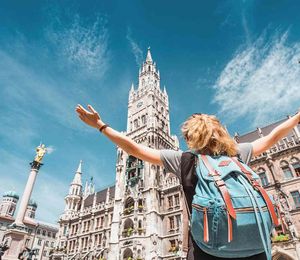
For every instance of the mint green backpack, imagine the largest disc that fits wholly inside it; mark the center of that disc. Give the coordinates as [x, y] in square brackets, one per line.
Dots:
[232, 215]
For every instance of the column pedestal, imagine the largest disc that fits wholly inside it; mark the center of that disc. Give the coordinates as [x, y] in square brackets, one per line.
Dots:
[16, 242]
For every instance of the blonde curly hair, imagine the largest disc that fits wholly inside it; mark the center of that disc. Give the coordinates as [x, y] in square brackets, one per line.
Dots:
[205, 134]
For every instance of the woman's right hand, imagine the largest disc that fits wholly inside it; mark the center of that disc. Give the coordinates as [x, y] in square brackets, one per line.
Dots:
[140, 151]
[90, 117]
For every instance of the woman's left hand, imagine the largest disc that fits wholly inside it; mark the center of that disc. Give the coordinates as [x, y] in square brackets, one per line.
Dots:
[90, 117]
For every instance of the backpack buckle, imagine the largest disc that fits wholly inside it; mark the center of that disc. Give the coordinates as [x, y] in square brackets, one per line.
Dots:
[219, 183]
[214, 173]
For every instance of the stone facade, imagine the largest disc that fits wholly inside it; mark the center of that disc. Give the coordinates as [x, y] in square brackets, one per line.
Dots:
[40, 235]
[279, 171]
[140, 217]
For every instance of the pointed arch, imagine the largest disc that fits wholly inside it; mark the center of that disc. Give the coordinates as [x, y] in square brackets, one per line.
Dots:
[127, 253]
[280, 254]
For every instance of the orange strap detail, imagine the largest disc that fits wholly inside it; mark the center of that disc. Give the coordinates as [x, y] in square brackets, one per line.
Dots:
[221, 186]
[230, 235]
[205, 226]
[259, 188]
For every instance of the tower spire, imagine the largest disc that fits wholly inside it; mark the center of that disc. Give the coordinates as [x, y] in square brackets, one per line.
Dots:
[149, 57]
[79, 167]
[77, 177]
[132, 88]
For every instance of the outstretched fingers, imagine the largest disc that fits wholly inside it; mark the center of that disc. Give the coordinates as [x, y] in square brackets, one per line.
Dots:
[80, 108]
[92, 109]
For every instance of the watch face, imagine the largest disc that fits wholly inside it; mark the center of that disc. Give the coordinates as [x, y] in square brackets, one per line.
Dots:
[139, 104]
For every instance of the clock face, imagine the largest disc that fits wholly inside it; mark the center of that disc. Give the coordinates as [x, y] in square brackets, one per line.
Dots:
[139, 104]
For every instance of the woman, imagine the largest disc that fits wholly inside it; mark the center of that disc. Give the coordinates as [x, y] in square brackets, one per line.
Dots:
[203, 133]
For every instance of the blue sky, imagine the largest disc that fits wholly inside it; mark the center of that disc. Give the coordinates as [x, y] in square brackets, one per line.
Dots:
[235, 59]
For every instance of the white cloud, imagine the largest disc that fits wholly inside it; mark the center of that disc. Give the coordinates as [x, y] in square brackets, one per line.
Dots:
[246, 28]
[135, 48]
[50, 149]
[261, 81]
[27, 93]
[83, 44]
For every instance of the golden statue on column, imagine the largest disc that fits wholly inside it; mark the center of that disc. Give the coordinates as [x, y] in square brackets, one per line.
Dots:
[41, 150]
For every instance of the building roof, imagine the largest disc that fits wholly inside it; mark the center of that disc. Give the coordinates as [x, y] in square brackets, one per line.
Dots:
[253, 135]
[32, 203]
[11, 194]
[48, 225]
[100, 196]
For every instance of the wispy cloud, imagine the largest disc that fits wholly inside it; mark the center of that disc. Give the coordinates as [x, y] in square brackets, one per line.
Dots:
[246, 28]
[50, 149]
[260, 81]
[83, 44]
[29, 92]
[37, 97]
[135, 48]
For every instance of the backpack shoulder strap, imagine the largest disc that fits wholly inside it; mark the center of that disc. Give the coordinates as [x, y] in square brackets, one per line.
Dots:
[188, 161]
[260, 189]
[220, 184]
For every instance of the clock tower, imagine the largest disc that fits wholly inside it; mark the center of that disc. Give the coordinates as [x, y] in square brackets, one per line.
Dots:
[137, 230]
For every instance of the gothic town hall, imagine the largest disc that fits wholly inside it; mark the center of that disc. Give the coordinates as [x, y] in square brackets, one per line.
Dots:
[141, 216]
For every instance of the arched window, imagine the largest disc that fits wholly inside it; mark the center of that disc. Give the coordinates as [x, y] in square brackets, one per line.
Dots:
[286, 170]
[282, 256]
[128, 228]
[11, 211]
[296, 198]
[129, 206]
[263, 177]
[140, 205]
[149, 68]
[296, 165]
[128, 254]
[139, 253]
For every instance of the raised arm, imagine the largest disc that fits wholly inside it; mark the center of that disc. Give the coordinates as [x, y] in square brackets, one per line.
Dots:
[142, 152]
[262, 144]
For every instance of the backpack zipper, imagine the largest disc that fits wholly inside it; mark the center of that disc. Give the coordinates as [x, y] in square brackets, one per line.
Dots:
[246, 209]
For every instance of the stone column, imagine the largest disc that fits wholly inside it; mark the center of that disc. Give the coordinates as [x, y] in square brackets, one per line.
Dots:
[17, 232]
[26, 196]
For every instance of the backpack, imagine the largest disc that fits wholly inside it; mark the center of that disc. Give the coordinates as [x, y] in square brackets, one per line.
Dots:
[232, 215]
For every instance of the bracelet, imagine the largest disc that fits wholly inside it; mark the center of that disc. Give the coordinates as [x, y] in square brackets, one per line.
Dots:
[103, 127]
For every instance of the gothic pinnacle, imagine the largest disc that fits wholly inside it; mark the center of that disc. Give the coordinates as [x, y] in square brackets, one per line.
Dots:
[165, 90]
[132, 88]
[149, 58]
[79, 167]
